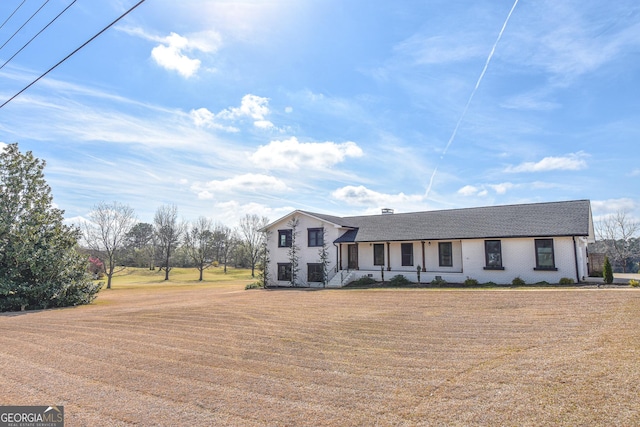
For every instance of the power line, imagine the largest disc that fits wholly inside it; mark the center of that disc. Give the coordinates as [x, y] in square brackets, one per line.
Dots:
[12, 13]
[21, 27]
[72, 53]
[39, 32]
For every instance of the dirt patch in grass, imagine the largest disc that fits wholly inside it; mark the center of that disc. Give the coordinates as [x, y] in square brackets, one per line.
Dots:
[218, 355]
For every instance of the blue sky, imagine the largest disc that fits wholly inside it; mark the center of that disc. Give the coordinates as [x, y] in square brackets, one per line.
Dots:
[342, 107]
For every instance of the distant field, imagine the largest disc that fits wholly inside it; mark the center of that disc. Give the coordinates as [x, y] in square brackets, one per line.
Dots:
[190, 354]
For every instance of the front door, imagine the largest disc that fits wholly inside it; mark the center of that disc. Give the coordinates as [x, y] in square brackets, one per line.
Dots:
[353, 257]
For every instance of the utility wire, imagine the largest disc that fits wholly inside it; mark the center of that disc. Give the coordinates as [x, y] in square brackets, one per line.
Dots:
[18, 30]
[39, 32]
[72, 53]
[12, 13]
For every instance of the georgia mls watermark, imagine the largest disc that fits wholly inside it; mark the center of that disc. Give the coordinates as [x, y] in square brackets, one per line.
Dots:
[31, 416]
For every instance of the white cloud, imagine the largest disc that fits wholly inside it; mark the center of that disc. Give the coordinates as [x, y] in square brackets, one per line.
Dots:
[361, 195]
[468, 190]
[253, 107]
[247, 183]
[472, 190]
[292, 154]
[172, 52]
[605, 207]
[502, 188]
[573, 162]
[232, 210]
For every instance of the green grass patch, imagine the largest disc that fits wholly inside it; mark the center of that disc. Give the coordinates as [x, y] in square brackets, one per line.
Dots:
[142, 277]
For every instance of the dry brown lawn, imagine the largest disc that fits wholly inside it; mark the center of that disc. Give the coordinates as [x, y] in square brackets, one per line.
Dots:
[219, 355]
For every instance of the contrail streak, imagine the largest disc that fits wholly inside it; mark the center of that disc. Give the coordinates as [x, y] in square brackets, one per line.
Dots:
[473, 92]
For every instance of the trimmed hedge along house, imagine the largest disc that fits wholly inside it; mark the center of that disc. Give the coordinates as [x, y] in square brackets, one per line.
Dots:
[535, 242]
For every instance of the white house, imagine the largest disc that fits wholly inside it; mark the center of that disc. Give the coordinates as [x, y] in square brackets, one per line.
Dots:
[535, 242]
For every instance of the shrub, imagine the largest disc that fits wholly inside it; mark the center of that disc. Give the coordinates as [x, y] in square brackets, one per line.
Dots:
[566, 281]
[607, 271]
[542, 283]
[634, 283]
[470, 282]
[439, 282]
[399, 280]
[518, 282]
[490, 284]
[363, 281]
[254, 285]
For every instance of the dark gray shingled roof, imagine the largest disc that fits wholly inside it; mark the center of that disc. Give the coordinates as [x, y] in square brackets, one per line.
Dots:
[571, 218]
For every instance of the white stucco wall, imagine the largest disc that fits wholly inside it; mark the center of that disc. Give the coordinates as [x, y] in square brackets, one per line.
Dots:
[518, 260]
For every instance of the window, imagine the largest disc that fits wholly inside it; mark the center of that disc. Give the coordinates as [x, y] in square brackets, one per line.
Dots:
[445, 253]
[284, 271]
[544, 255]
[315, 236]
[314, 273]
[378, 254]
[493, 255]
[407, 253]
[284, 238]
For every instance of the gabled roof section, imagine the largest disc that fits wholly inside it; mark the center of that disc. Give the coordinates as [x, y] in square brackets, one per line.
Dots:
[335, 220]
[571, 218]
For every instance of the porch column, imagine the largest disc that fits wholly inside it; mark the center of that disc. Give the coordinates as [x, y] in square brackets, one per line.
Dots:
[340, 256]
[388, 256]
[424, 268]
[357, 256]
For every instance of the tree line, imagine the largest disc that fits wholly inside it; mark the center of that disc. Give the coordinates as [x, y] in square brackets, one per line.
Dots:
[114, 235]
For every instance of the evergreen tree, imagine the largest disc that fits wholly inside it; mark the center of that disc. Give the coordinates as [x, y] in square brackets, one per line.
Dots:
[607, 271]
[39, 264]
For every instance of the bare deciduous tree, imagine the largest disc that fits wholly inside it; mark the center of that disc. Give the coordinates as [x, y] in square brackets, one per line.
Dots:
[615, 231]
[199, 243]
[107, 231]
[250, 227]
[168, 231]
[225, 240]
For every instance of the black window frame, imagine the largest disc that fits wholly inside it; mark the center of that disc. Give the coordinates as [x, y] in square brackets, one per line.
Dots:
[545, 244]
[493, 263]
[314, 272]
[315, 237]
[284, 272]
[378, 254]
[406, 253]
[288, 238]
[444, 259]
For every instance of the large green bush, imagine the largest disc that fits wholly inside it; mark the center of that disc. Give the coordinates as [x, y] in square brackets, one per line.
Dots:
[399, 280]
[39, 264]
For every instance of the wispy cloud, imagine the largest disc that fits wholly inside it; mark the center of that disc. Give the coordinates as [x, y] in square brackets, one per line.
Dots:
[483, 190]
[570, 162]
[246, 183]
[293, 154]
[360, 195]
